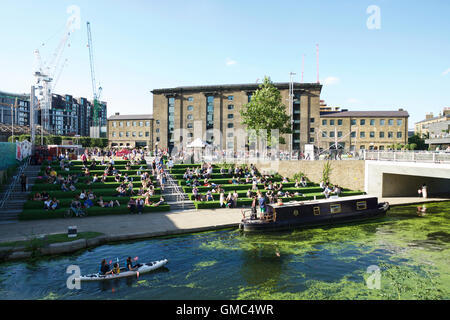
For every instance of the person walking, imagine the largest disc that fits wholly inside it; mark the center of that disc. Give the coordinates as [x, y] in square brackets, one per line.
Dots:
[424, 191]
[23, 182]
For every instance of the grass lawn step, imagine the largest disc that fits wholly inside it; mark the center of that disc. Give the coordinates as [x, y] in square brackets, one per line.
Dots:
[98, 192]
[79, 162]
[237, 187]
[38, 214]
[221, 181]
[248, 202]
[65, 202]
[83, 179]
[243, 194]
[80, 186]
[92, 172]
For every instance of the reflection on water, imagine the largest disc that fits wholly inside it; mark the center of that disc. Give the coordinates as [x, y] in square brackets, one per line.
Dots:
[322, 263]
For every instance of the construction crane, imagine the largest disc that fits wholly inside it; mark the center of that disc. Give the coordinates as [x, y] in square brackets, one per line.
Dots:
[45, 73]
[96, 92]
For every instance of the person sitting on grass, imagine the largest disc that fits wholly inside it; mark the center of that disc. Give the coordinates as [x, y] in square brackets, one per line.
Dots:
[117, 178]
[303, 181]
[130, 188]
[83, 195]
[132, 205]
[87, 172]
[44, 195]
[88, 203]
[229, 200]
[95, 178]
[48, 204]
[104, 178]
[91, 195]
[147, 201]
[64, 188]
[121, 192]
[37, 197]
[209, 196]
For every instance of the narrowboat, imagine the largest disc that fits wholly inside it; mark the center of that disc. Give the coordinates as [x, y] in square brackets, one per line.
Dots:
[330, 211]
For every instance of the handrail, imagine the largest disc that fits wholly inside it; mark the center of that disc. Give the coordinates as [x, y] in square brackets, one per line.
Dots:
[14, 182]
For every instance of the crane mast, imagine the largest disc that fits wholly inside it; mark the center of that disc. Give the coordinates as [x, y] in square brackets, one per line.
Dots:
[96, 94]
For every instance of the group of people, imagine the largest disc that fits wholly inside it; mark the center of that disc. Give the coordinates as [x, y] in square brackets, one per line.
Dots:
[329, 190]
[137, 205]
[49, 203]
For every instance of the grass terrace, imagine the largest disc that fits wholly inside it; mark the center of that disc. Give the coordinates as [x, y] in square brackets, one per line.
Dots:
[34, 209]
[309, 192]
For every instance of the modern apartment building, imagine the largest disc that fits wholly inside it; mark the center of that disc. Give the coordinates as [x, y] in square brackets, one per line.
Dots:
[18, 116]
[357, 130]
[67, 115]
[212, 113]
[131, 130]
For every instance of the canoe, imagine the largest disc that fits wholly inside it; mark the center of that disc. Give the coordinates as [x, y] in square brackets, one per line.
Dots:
[143, 268]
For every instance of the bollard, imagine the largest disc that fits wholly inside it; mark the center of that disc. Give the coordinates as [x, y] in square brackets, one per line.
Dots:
[72, 231]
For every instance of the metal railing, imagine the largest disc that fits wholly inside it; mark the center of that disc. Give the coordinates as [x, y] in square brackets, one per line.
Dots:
[407, 156]
[13, 184]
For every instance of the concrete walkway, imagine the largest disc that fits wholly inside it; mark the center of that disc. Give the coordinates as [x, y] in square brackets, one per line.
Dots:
[396, 201]
[129, 226]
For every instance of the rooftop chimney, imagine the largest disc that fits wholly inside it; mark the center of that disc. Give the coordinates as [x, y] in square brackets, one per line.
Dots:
[429, 116]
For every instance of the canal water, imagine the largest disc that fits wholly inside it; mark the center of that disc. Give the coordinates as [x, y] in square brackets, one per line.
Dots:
[401, 256]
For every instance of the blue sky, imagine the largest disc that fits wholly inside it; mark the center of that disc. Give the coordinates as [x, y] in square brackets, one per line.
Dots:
[143, 45]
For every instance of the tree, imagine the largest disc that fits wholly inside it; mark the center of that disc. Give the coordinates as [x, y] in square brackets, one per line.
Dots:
[266, 111]
[418, 141]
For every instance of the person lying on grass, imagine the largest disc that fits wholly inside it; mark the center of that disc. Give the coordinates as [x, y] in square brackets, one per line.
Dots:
[110, 204]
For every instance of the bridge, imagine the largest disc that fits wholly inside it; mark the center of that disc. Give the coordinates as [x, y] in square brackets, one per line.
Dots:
[400, 173]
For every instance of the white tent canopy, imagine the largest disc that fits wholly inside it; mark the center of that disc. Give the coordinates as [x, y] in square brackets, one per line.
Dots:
[197, 143]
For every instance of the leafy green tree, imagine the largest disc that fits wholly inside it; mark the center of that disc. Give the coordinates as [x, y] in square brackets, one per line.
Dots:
[266, 111]
[418, 141]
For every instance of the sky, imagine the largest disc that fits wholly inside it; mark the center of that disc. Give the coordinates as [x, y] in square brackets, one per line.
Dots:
[374, 55]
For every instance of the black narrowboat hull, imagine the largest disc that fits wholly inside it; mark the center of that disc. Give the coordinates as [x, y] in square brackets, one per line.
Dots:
[248, 225]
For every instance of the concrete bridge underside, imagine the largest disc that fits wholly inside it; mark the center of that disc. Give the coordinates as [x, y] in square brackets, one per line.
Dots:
[402, 179]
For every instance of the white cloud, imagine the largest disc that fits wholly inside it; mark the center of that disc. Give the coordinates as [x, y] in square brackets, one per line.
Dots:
[446, 72]
[230, 62]
[352, 100]
[331, 81]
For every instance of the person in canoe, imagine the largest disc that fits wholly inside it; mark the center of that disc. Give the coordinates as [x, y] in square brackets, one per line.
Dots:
[130, 265]
[116, 268]
[104, 268]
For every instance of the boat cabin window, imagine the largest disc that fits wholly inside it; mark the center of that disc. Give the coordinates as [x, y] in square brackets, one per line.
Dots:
[316, 211]
[361, 205]
[335, 208]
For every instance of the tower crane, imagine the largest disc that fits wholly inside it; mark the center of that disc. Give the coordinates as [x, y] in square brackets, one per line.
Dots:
[96, 92]
[44, 75]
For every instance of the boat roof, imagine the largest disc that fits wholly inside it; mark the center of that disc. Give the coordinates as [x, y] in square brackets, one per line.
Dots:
[297, 203]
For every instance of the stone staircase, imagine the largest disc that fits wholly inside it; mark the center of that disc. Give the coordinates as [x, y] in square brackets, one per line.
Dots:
[175, 196]
[14, 204]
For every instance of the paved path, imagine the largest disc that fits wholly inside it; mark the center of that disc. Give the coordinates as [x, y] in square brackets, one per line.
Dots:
[145, 224]
[410, 200]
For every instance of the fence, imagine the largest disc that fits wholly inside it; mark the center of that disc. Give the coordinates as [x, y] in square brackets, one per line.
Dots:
[407, 156]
